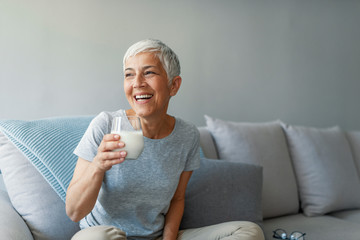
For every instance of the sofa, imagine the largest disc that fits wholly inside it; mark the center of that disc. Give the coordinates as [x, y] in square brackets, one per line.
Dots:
[281, 176]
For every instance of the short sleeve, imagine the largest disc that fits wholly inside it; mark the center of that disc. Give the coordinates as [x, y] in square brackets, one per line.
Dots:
[89, 143]
[193, 160]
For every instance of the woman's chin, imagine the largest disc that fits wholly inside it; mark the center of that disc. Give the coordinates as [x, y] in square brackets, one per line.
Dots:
[141, 113]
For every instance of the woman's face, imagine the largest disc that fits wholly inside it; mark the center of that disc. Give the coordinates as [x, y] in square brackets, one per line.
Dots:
[146, 85]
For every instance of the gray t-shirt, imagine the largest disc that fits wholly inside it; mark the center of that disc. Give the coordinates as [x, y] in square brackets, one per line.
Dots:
[136, 194]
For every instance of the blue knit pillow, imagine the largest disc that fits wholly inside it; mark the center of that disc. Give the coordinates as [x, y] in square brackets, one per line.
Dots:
[49, 145]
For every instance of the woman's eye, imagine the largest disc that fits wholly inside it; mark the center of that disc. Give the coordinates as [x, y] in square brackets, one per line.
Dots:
[149, 72]
[128, 75]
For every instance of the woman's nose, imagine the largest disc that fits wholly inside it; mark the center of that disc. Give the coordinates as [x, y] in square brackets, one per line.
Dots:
[139, 81]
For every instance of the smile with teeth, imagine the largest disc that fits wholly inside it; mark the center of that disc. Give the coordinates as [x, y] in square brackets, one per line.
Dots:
[143, 97]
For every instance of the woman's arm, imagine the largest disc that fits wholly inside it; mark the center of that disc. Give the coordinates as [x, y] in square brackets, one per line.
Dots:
[176, 209]
[88, 176]
[83, 190]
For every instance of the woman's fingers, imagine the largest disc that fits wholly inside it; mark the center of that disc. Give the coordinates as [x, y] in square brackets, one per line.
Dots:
[110, 142]
[112, 155]
[106, 156]
[111, 137]
[105, 160]
[110, 146]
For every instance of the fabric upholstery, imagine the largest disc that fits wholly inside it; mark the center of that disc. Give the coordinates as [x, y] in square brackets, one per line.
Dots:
[32, 197]
[12, 226]
[221, 191]
[354, 140]
[325, 169]
[2, 185]
[207, 144]
[352, 215]
[49, 145]
[316, 228]
[261, 144]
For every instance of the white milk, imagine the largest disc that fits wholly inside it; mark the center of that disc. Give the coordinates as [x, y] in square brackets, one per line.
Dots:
[134, 143]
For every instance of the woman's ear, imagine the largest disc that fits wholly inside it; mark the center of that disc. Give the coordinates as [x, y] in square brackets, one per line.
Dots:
[175, 85]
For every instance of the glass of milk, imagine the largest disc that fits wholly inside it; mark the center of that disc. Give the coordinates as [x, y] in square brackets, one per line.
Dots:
[129, 129]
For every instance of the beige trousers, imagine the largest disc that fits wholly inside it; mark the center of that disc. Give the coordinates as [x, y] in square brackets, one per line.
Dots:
[237, 230]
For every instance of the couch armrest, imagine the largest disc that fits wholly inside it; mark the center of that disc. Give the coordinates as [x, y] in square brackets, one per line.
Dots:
[12, 226]
[207, 143]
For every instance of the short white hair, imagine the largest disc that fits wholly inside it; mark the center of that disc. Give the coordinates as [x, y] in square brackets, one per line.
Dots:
[166, 55]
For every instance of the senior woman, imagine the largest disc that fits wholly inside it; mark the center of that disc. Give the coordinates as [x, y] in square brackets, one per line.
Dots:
[114, 198]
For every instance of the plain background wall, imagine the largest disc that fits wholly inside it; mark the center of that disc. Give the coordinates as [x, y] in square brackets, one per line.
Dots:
[251, 60]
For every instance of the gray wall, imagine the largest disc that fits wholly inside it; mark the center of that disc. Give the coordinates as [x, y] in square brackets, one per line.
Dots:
[253, 60]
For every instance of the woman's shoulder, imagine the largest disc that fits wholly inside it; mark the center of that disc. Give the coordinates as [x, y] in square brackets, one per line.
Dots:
[104, 117]
[186, 128]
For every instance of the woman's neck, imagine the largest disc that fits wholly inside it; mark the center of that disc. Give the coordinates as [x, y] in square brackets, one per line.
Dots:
[155, 127]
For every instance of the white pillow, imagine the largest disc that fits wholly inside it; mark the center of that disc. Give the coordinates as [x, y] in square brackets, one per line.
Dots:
[261, 144]
[324, 168]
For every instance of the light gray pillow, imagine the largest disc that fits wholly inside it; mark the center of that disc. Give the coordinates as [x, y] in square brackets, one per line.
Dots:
[354, 139]
[221, 191]
[261, 144]
[325, 169]
[32, 197]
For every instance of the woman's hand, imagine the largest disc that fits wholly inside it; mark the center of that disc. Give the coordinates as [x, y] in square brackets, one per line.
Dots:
[106, 157]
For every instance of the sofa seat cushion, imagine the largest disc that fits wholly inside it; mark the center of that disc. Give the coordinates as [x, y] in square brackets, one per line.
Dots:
[222, 191]
[262, 144]
[325, 169]
[319, 228]
[348, 215]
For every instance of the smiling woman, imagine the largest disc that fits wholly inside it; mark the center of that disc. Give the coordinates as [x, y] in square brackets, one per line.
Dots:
[143, 198]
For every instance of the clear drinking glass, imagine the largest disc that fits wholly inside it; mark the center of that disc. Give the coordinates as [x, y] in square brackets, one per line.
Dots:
[130, 131]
